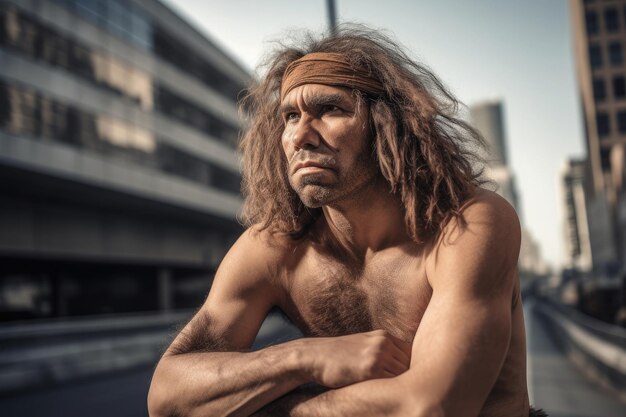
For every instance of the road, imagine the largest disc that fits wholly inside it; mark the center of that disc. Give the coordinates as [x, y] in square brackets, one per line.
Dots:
[554, 385]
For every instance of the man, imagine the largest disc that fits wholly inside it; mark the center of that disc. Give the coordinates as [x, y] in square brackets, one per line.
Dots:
[369, 230]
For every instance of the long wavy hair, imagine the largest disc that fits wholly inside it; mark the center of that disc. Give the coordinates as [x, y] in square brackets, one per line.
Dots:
[425, 151]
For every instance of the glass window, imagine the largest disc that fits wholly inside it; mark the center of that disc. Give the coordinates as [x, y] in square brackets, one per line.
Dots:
[615, 53]
[592, 23]
[599, 89]
[141, 30]
[605, 158]
[621, 121]
[24, 295]
[611, 19]
[93, 10]
[595, 56]
[118, 18]
[603, 124]
[226, 180]
[179, 55]
[26, 113]
[619, 87]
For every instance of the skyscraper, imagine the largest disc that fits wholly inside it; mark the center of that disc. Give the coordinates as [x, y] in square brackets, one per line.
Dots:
[599, 29]
[488, 118]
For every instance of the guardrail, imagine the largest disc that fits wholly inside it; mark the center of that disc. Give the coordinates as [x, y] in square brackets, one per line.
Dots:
[35, 354]
[48, 353]
[598, 348]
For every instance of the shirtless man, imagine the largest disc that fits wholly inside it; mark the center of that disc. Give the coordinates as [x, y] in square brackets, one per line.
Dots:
[369, 229]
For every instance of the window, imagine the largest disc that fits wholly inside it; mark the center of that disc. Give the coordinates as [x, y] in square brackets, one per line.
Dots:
[592, 23]
[611, 19]
[615, 53]
[605, 158]
[595, 56]
[621, 121]
[603, 124]
[619, 87]
[25, 112]
[599, 90]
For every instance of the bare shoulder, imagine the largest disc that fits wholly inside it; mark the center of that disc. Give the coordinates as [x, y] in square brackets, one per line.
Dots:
[259, 256]
[483, 241]
[485, 213]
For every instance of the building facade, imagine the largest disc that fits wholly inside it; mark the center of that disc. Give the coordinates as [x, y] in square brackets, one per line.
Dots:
[488, 118]
[119, 179]
[599, 29]
[575, 225]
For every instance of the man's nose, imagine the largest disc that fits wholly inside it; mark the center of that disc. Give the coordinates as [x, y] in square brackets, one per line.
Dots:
[305, 134]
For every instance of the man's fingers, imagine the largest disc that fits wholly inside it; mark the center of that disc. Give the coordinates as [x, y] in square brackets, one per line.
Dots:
[403, 349]
[396, 366]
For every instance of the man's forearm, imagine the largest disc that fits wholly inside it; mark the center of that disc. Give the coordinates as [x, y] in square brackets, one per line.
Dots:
[223, 383]
[375, 398]
[283, 406]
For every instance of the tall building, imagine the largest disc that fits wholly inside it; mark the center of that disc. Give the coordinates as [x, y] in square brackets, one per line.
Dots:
[488, 118]
[599, 29]
[119, 179]
[575, 226]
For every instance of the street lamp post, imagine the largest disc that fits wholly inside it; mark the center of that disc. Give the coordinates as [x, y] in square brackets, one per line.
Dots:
[332, 16]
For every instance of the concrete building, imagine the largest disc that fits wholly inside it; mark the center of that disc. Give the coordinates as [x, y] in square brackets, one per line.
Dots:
[488, 118]
[531, 263]
[575, 225]
[599, 29]
[119, 179]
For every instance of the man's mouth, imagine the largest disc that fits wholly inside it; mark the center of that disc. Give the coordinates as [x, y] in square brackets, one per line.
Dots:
[310, 166]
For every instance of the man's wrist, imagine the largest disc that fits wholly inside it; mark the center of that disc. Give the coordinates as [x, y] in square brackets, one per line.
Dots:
[300, 360]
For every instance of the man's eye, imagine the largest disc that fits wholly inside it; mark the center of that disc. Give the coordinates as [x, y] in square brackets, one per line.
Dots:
[289, 117]
[328, 108]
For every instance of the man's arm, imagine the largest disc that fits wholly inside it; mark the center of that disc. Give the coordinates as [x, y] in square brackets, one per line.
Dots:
[463, 337]
[205, 371]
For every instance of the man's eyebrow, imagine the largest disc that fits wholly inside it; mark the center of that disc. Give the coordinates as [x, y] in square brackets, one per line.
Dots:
[325, 99]
[286, 108]
[314, 101]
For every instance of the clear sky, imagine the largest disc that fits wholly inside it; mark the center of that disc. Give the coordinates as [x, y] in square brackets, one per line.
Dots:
[517, 51]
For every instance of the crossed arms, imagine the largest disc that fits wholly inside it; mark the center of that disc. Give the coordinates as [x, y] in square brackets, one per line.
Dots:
[449, 369]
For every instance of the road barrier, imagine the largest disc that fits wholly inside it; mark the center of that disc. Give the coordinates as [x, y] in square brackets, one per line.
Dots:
[48, 353]
[598, 348]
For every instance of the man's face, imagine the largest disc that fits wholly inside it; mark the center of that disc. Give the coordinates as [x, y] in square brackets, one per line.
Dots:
[327, 142]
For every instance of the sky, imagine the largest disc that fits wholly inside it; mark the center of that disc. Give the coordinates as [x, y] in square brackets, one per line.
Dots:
[517, 51]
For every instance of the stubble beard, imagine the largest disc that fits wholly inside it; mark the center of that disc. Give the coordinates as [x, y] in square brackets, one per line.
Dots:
[315, 192]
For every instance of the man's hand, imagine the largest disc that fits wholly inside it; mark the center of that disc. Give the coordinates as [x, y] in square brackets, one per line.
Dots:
[335, 362]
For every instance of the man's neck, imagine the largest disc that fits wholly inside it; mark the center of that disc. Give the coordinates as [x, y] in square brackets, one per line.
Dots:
[367, 222]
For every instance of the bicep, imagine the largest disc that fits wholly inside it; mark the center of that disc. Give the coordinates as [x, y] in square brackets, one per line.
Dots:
[241, 295]
[458, 352]
[464, 334]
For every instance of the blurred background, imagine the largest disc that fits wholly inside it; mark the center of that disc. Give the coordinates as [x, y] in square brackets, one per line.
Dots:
[120, 183]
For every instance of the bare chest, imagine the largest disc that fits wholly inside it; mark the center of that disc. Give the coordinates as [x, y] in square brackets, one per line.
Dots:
[329, 299]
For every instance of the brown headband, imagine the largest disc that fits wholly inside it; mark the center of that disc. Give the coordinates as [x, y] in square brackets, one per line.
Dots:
[327, 68]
